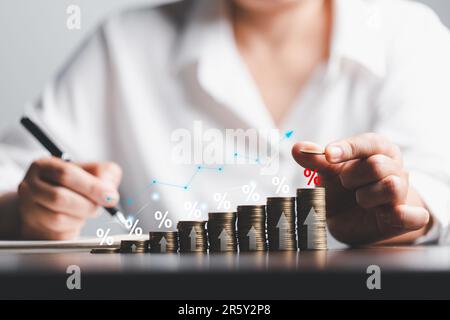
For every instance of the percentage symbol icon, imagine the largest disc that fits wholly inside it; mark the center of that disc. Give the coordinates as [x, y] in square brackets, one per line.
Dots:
[134, 229]
[249, 190]
[222, 202]
[105, 237]
[193, 210]
[163, 219]
[313, 176]
[280, 184]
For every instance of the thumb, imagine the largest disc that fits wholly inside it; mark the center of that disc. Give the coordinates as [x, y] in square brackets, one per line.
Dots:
[314, 161]
[108, 172]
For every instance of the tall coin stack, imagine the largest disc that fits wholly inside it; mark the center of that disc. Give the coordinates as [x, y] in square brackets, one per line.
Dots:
[164, 242]
[281, 224]
[222, 231]
[251, 228]
[311, 219]
[192, 236]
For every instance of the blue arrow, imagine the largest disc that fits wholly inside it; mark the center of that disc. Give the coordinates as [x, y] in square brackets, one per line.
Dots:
[289, 134]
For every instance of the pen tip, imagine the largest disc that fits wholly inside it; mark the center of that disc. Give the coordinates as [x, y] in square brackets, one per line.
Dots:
[121, 218]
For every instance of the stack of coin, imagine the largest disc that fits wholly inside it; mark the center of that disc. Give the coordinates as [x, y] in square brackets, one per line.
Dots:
[281, 224]
[192, 235]
[134, 246]
[106, 250]
[222, 231]
[164, 242]
[251, 228]
[311, 219]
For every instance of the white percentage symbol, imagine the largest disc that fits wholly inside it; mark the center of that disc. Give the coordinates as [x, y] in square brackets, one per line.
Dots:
[134, 229]
[163, 219]
[249, 190]
[192, 209]
[280, 184]
[104, 237]
[222, 202]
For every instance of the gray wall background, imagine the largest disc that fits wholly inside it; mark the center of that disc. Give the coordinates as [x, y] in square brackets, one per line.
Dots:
[34, 43]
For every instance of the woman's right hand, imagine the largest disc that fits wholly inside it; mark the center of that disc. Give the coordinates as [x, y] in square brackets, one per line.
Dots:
[56, 197]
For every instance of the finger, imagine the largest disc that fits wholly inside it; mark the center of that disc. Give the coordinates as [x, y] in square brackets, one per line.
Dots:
[391, 190]
[33, 233]
[396, 220]
[381, 223]
[76, 179]
[106, 171]
[313, 161]
[50, 222]
[360, 147]
[362, 172]
[61, 199]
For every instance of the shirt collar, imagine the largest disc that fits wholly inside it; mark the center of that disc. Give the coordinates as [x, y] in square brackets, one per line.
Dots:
[208, 44]
[357, 34]
[205, 25]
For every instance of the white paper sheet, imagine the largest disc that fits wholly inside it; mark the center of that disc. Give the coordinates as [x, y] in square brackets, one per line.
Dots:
[80, 243]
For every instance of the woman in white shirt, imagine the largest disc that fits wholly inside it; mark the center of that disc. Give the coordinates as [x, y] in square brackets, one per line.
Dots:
[367, 79]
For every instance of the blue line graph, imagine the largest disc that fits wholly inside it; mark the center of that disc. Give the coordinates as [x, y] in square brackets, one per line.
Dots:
[188, 184]
[257, 160]
[201, 168]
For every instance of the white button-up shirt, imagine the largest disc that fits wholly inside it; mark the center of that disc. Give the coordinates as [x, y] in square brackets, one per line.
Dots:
[146, 73]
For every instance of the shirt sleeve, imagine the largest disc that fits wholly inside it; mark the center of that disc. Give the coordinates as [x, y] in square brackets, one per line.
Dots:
[414, 112]
[69, 110]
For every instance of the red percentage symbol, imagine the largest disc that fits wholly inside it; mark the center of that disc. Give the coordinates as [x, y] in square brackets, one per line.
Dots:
[313, 176]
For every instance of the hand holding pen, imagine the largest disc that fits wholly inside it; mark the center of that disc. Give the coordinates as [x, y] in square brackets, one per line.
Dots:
[57, 196]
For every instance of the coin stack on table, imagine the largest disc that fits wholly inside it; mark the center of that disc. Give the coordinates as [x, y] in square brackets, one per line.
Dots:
[134, 246]
[106, 250]
[192, 236]
[222, 231]
[164, 242]
[311, 219]
[281, 224]
[251, 228]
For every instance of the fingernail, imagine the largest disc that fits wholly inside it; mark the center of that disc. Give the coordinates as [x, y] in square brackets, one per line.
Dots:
[418, 218]
[335, 152]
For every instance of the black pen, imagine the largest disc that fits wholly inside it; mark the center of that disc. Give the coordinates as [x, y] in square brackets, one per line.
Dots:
[56, 152]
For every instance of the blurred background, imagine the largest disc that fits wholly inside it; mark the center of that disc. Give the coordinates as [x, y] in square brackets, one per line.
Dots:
[35, 43]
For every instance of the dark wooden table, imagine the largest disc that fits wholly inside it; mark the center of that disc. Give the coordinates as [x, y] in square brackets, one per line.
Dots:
[406, 272]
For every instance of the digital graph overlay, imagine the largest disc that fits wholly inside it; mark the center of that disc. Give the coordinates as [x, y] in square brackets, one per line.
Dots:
[187, 185]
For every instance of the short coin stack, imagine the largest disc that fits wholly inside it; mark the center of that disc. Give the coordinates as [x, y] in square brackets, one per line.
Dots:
[134, 246]
[281, 224]
[193, 236]
[311, 219]
[222, 232]
[164, 242]
[107, 250]
[251, 228]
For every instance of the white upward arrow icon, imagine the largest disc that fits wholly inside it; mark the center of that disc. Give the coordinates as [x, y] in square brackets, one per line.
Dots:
[163, 244]
[193, 236]
[223, 236]
[252, 238]
[309, 221]
[282, 226]
[133, 248]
